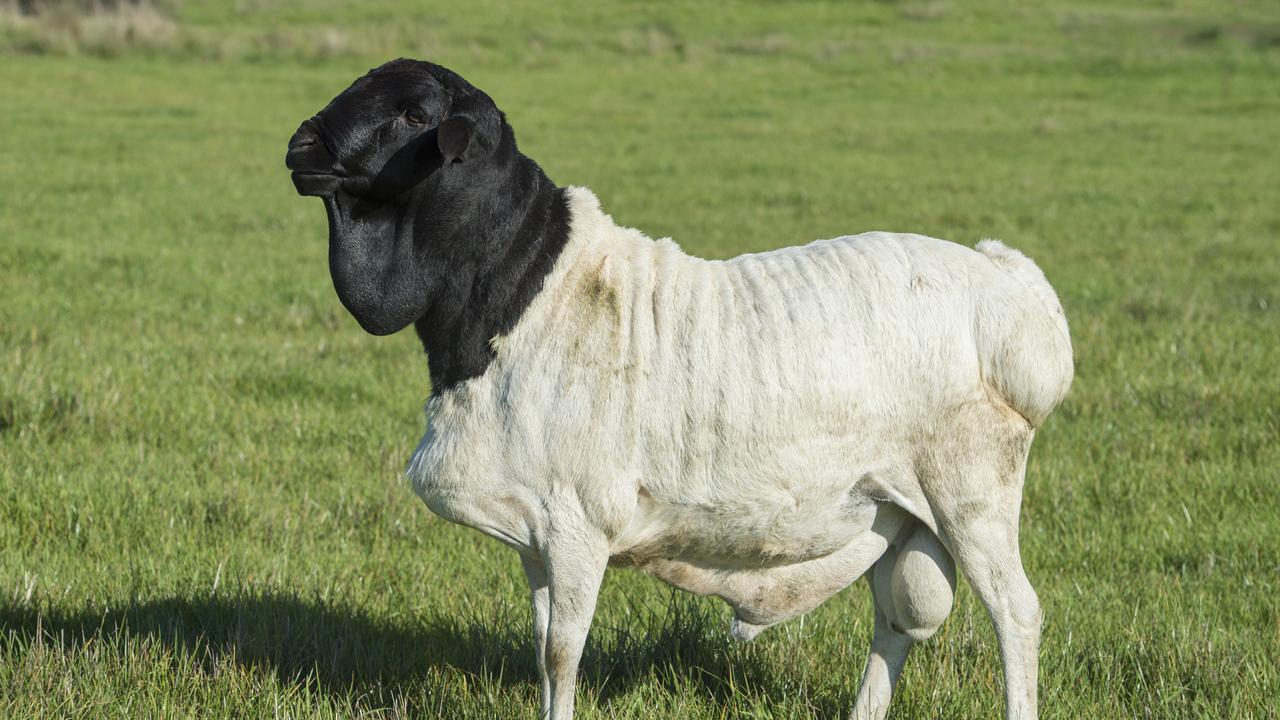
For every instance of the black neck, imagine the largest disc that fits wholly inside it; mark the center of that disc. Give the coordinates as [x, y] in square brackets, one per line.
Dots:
[493, 264]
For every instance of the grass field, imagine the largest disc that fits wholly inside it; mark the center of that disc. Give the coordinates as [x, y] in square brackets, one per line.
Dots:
[201, 506]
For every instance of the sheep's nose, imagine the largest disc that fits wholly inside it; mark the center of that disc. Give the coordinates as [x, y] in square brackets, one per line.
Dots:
[305, 136]
[307, 151]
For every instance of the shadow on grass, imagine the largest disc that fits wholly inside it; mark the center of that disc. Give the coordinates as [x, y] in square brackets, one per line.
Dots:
[328, 646]
[344, 651]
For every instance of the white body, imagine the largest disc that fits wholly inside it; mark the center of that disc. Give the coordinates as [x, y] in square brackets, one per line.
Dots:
[764, 429]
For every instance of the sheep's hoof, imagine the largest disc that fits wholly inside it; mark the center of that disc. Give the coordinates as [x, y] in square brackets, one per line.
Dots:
[743, 631]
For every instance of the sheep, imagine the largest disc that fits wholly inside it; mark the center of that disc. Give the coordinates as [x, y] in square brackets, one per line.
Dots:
[766, 429]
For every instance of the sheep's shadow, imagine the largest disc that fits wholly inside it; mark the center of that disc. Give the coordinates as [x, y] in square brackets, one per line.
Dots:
[339, 650]
[330, 647]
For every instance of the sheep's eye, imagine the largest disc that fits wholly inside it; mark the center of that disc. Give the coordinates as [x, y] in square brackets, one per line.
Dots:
[414, 116]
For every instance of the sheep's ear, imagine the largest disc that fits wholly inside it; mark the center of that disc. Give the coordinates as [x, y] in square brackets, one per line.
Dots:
[454, 136]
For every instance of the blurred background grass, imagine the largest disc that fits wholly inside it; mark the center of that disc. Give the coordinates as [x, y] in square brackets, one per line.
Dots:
[201, 508]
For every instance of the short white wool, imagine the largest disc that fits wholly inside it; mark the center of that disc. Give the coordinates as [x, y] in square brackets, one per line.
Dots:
[761, 428]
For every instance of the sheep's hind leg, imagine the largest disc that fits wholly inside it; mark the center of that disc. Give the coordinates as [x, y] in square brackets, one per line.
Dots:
[977, 503]
[762, 597]
[913, 586]
[987, 553]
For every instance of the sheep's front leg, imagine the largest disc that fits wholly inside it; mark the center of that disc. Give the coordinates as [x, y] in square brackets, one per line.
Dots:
[540, 598]
[573, 571]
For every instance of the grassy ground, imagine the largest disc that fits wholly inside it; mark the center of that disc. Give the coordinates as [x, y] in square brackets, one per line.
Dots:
[201, 511]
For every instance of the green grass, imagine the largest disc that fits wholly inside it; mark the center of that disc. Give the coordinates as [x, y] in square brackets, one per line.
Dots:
[201, 507]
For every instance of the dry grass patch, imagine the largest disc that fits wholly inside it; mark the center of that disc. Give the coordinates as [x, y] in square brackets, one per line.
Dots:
[95, 27]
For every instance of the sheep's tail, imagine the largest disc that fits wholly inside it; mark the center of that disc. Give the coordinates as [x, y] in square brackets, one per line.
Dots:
[1030, 275]
[1028, 358]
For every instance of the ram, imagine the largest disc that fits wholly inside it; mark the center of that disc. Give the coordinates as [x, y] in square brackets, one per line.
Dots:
[766, 429]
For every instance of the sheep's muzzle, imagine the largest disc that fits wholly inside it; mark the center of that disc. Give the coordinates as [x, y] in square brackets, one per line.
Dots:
[314, 170]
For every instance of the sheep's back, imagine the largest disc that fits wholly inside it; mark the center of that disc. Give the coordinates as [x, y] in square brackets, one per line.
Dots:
[908, 321]
[841, 348]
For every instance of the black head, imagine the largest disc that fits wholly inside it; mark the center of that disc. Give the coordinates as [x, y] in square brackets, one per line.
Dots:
[435, 218]
[393, 128]
[400, 155]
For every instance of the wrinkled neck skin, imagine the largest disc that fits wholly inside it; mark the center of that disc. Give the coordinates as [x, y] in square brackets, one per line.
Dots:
[449, 259]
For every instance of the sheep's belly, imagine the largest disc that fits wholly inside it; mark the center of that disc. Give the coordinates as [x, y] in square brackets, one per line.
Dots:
[752, 532]
[763, 596]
